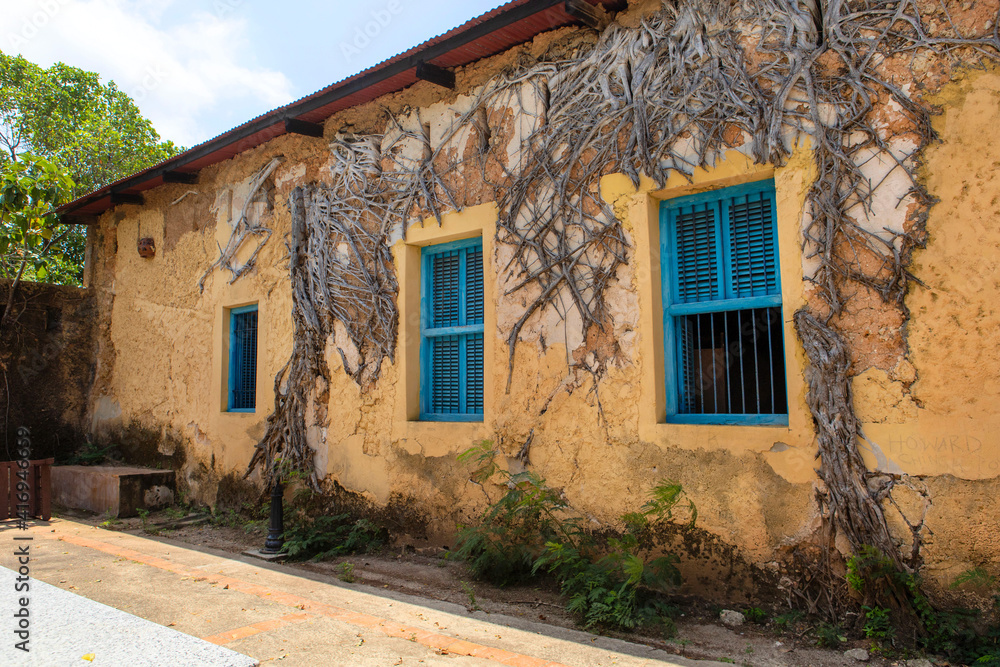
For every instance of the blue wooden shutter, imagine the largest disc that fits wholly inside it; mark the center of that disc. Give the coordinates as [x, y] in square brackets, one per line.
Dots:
[697, 253]
[452, 331]
[243, 359]
[752, 263]
[445, 375]
[474, 374]
[444, 292]
[474, 342]
[474, 286]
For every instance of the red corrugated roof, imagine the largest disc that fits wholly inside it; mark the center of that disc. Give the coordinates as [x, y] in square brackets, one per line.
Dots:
[496, 31]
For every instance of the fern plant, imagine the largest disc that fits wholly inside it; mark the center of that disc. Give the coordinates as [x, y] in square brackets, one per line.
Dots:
[530, 529]
[975, 578]
[332, 535]
[958, 634]
[616, 590]
[503, 545]
[619, 588]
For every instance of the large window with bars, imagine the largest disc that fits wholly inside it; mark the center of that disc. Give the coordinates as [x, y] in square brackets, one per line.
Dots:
[451, 331]
[725, 360]
[243, 359]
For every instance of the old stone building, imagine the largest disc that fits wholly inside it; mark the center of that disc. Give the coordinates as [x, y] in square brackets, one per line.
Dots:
[725, 243]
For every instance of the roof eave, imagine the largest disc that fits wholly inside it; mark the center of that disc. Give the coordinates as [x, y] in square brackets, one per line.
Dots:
[515, 22]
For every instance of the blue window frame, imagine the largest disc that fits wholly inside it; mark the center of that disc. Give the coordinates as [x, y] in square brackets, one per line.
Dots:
[722, 321]
[243, 359]
[451, 331]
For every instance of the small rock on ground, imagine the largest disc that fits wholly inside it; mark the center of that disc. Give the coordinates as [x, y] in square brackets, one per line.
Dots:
[731, 618]
[858, 654]
[919, 662]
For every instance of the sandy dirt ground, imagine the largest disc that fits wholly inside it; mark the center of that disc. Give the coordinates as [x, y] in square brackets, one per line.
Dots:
[429, 573]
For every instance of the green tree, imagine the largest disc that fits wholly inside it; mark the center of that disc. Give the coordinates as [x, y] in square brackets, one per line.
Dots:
[93, 131]
[30, 189]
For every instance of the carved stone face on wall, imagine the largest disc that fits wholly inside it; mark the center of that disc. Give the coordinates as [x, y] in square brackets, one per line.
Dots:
[146, 247]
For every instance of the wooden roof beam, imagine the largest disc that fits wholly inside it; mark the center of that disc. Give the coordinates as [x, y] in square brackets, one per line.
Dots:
[188, 177]
[126, 198]
[592, 16]
[296, 126]
[437, 75]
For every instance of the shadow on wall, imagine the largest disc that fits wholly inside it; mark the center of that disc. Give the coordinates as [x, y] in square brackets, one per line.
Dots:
[401, 516]
[46, 368]
[140, 445]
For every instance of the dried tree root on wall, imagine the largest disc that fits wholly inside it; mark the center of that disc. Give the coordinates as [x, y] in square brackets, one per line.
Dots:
[341, 271]
[245, 228]
[668, 96]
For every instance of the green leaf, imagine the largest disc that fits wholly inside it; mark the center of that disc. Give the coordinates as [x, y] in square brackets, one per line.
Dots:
[632, 567]
[76, 134]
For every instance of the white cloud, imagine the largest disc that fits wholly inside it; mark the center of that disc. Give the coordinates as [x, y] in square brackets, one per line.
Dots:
[192, 73]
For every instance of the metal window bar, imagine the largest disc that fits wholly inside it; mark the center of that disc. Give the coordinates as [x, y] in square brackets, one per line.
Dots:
[739, 359]
[732, 363]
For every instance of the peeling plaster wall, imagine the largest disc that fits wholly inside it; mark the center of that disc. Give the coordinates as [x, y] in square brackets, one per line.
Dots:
[943, 404]
[935, 412]
[161, 352]
[927, 390]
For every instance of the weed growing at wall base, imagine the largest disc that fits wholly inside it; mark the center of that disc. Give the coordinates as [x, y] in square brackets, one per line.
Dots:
[829, 635]
[755, 615]
[345, 572]
[960, 635]
[609, 583]
[503, 545]
[92, 454]
[328, 536]
[787, 620]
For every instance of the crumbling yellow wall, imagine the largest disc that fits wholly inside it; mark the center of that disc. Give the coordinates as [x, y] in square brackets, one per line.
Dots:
[162, 358]
[162, 362]
[941, 419]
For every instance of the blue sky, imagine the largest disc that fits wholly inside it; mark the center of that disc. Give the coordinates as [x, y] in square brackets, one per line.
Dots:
[197, 68]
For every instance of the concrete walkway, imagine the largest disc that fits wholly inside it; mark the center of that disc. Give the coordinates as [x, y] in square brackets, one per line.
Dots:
[272, 614]
[62, 627]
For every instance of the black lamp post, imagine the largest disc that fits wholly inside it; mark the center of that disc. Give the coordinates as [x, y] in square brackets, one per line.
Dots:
[276, 527]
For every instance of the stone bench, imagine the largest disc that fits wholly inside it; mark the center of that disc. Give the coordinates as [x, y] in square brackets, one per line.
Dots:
[118, 490]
